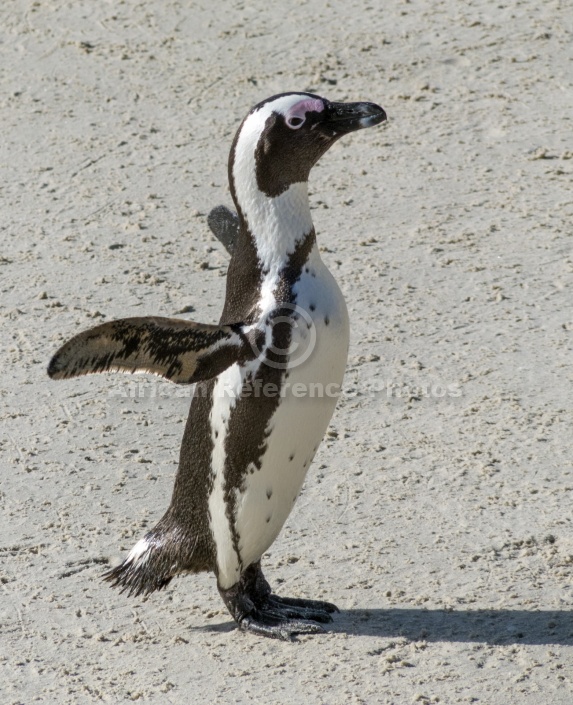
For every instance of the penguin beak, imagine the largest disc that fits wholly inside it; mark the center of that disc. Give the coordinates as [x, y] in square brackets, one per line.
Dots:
[348, 117]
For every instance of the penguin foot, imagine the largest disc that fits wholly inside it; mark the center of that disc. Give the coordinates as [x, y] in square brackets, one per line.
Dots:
[268, 624]
[317, 605]
[257, 610]
[290, 608]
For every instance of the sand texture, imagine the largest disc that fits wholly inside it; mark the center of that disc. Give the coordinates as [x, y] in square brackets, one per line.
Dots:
[437, 512]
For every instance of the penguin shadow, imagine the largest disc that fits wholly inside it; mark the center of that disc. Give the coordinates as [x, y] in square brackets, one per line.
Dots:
[487, 626]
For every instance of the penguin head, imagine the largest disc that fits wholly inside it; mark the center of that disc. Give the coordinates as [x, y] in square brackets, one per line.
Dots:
[283, 137]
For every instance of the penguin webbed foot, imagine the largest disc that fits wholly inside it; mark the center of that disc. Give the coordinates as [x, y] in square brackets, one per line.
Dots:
[257, 610]
[266, 623]
[270, 618]
[306, 606]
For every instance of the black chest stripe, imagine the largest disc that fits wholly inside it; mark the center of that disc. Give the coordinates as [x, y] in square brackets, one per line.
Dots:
[247, 431]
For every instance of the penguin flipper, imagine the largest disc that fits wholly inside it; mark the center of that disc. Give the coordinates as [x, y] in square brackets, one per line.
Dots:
[224, 224]
[180, 351]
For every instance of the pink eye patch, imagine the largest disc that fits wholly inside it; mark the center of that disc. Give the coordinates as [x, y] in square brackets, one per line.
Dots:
[299, 110]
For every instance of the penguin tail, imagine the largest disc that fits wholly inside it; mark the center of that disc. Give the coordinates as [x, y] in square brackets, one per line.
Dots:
[142, 572]
[152, 563]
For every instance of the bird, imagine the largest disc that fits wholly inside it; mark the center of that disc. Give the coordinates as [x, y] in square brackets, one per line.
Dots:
[254, 423]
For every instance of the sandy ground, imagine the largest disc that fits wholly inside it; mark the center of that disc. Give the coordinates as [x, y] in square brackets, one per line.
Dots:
[437, 513]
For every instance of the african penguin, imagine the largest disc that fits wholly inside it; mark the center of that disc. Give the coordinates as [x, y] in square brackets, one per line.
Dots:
[268, 372]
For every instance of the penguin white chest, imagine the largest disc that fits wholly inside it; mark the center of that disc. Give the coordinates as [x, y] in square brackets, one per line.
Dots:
[310, 389]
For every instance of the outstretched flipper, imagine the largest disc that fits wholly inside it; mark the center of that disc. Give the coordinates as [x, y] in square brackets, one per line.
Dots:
[180, 351]
[224, 224]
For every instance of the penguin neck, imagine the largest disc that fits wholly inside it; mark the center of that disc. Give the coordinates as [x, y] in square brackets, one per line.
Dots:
[276, 238]
[274, 217]
[277, 226]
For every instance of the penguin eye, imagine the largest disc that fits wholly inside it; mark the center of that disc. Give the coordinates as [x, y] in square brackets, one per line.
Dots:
[295, 122]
